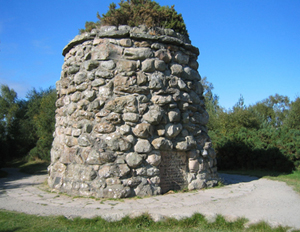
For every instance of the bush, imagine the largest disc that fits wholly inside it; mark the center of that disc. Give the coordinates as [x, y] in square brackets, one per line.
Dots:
[140, 12]
[264, 149]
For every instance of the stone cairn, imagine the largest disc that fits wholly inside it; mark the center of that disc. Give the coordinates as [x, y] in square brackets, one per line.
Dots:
[130, 118]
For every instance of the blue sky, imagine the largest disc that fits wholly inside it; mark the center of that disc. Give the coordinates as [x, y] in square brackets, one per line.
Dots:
[247, 47]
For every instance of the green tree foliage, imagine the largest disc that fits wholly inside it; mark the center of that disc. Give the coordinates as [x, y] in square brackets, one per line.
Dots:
[26, 126]
[41, 111]
[140, 12]
[273, 110]
[292, 119]
[261, 136]
[212, 104]
[8, 111]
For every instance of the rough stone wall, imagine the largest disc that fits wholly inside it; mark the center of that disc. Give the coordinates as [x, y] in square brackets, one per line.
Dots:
[130, 116]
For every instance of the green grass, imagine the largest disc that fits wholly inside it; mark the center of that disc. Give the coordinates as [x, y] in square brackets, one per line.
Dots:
[35, 167]
[12, 221]
[32, 167]
[292, 179]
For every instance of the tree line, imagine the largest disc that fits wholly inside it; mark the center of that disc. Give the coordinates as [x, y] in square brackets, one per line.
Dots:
[26, 126]
[262, 136]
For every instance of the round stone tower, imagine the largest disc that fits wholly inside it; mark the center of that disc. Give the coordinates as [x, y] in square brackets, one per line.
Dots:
[130, 116]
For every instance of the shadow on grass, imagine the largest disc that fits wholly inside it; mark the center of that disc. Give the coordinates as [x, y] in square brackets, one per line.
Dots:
[12, 230]
[35, 168]
[3, 174]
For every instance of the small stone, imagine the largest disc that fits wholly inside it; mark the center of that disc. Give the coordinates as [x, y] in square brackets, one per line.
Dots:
[81, 87]
[131, 117]
[110, 64]
[126, 65]
[182, 85]
[144, 190]
[143, 130]
[76, 132]
[91, 64]
[126, 42]
[112, 181]
[125, 129]
[181, 58]
[196, 184]
[154, 159]
[157, 81]
[138, 53]
[193, 165]
[190, 74]
[71, 108]
[142, 146]
[154, 115]
[161, 130]
[133, 159]
[153, 171]
[148, 65]
[84, 141]
[73, 69]
[157, 46]
[164, 55]
[104, 127]
[104, 172]
[76, 97]
[160, 65]
[161, 100]
[174, 115]
[104, 74]
[194, 64]
[80, 78]
[120, 104]
[90, 95]
[172, 130]
[124, 170]
[131, 139]
[141, 78]
[114, 118]
[98, 82]
[176, 70]
[162, 144]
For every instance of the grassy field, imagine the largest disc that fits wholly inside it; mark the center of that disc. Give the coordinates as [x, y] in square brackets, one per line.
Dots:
[11, 221]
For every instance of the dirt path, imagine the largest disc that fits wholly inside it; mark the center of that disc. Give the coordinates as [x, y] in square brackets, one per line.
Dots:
[249, 197]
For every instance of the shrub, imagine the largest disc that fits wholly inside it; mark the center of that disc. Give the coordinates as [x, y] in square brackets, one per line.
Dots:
[140, 12]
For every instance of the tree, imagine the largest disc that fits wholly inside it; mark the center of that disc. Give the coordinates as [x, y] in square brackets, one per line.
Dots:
[8, 110]
[273, 110]
[293, 117]
[41, 112]
[8, 105]
[212, 104]
[140, 12]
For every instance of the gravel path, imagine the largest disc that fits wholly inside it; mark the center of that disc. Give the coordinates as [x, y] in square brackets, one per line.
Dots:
[244, 196]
